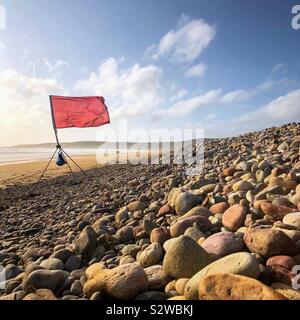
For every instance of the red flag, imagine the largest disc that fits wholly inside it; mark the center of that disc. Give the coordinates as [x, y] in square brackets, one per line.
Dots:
[79, 112]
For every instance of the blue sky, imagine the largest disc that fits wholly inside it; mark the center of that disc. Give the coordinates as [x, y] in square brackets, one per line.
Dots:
[225, 66]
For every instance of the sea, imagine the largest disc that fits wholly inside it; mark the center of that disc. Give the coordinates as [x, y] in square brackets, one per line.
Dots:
[19, 155]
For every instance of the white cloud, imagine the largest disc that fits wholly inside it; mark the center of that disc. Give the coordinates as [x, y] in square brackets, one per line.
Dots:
[24, 109]
[196, 71]
[129, 92]
[235, 95]
[52, 67]
[184, 107]
[279, 67]
[281, 110]
[184, 44]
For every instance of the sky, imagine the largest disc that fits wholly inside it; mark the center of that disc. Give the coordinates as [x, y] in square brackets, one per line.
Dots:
[225, 66]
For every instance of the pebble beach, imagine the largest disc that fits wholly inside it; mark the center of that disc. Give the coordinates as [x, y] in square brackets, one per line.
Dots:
[152, 232]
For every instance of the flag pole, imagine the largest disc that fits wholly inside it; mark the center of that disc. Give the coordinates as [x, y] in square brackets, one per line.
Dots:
[53, 122]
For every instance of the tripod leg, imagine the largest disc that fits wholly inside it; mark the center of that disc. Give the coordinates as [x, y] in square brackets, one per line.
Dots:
[48, 164]
[69, 166]
[73, 161]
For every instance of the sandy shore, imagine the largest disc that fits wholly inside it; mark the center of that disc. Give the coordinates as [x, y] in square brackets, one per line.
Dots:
[30, 171]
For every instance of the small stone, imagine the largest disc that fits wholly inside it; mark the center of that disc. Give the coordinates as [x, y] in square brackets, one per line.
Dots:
[136, 206]
[194, 233]
[151, 255]
[156, 277]
[160, 235]
[125, 234]
[122, 215]
[285, 262]
[197, 211]
[286, 184]
[87, 242]
[62, 254]
[292, 219]
[185, 202]
[179, 227]
[126, 259]
[220, 207]
[166, 209]
[223, 243]
[242, 186]
[180, 284]
[226, 286]
[53, 264]
[234, 217]
[41, 294]
[72, 263]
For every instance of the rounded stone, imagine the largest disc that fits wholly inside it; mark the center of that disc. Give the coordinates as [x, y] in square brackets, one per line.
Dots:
[185, 202]
[292, 219]
[276, 211]
[223, 243]
[269, 242]
[41, 294]
[220, 207]
[156, 277]
[226, 286]
[160, 235]
[44, 279]
[180, 226]
[52, 264]
[184, 258]
[242, 186]
[285, 262]
[242, 263]
[234, 217]
[151, 255]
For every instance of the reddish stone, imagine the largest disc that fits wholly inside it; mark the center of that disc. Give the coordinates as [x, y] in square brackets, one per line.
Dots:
[166, 209]
[220, 207]
[234, 217]
[276, 211]
[285, 262]
[227, 188]
[228, 172]
[160, 235]
[179, 227]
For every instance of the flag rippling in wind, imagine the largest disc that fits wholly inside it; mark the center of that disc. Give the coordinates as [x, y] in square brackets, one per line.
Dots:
[78, 112]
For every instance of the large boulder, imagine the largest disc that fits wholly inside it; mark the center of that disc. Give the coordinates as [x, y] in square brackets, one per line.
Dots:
[269, 242]
[227, 286]
[242, 263]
